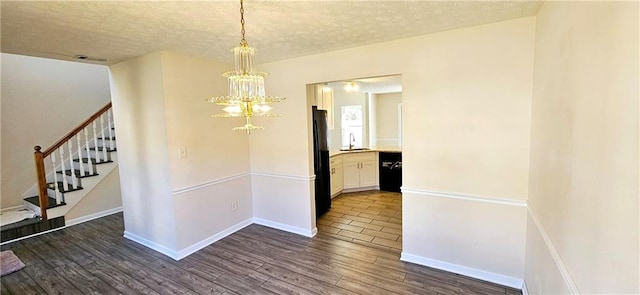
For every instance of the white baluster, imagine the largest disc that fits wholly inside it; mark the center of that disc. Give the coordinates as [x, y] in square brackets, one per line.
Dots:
[65, 183]
[111, 144]
[95, 141]
[81, 168]
[55, 178]
[71, 170]
[86, 147]
[104, 147]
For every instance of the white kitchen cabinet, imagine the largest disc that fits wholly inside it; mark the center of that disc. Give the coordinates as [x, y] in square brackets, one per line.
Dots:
[360, 171]
[368, 173]
[324, 100]
[336, 172]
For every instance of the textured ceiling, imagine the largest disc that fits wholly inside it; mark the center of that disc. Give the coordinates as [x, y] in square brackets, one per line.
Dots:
[120, 30]
[384, 84]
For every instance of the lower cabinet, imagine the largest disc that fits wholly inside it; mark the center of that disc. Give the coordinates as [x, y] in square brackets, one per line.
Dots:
[360, 170]
[336, 175]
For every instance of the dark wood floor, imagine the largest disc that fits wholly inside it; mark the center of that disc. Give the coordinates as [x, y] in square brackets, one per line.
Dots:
[94, 258]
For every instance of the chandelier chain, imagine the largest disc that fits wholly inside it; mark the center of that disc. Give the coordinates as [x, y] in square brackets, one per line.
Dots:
[242, 20]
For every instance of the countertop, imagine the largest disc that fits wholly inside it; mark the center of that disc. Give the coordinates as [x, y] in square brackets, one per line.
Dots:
[386, 149]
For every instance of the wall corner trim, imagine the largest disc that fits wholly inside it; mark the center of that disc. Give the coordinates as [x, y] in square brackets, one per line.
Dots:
[562, 268]
[286, 227]
[465, 197]
[525, 291]
[463, 270]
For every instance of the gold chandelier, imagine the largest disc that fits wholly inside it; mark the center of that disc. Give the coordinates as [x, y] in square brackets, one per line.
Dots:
[246, 87]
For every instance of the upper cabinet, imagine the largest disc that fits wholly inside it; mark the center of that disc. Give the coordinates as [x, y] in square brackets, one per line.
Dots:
[324, 100]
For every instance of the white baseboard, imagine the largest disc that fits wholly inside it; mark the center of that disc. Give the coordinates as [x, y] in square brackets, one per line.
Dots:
[152, 245]
[212, 239]
[463, 270]
[93, 216]
[177, 255]
[286, 227]
[525, 291]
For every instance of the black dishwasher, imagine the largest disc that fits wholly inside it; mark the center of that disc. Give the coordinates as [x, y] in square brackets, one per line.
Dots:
[390, 171]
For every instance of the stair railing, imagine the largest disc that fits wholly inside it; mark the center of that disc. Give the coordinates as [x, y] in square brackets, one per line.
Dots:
[88, 131]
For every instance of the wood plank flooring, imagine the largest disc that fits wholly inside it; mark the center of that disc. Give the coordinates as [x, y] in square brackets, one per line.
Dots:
[372, 218]
[94, 258]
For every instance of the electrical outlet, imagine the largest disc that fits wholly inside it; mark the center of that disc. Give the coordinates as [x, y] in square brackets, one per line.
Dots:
[182, 152]
[234, 205]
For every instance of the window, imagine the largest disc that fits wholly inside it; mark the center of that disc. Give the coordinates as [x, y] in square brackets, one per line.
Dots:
[352, 122]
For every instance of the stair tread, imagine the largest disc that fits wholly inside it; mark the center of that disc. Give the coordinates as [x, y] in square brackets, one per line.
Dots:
[77, 173]
[93, 160]
[35, 200]
[102, 148]
[107, 138]
[70, 188]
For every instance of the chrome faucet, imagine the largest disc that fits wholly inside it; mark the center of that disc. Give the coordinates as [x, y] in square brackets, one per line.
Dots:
[352, 140]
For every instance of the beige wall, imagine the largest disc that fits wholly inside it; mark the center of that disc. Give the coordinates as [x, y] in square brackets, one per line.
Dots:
[583, 191]
[172, 204]
[387, 118]
[103, 197]
[466, 96]
[215, 152]
[145, 172]
[42, 100]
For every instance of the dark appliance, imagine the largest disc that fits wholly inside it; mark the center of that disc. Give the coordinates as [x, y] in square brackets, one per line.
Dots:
[390, 171]
[321, 161]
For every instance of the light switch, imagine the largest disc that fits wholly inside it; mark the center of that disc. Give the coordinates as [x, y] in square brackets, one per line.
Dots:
[182, 152]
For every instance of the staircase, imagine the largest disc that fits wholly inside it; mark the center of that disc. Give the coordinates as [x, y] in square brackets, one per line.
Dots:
[66, 171]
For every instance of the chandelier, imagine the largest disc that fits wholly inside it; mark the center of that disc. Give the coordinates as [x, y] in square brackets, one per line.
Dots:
[246, 97]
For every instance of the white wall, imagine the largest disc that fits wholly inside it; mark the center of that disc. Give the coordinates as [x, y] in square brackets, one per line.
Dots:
[104, 197]
[178, 205]
[42, 100]
[216, 169]
[583, 191]
[145, 172]
[466, 99]
[387, 118]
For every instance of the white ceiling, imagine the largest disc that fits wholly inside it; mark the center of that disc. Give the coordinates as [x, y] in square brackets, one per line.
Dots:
[120, 30]
[384, 84]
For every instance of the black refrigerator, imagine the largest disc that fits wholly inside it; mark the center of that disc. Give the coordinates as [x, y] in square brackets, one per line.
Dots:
[321, 161]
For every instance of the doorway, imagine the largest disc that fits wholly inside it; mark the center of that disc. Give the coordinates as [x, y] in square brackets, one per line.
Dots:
[364, 120]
